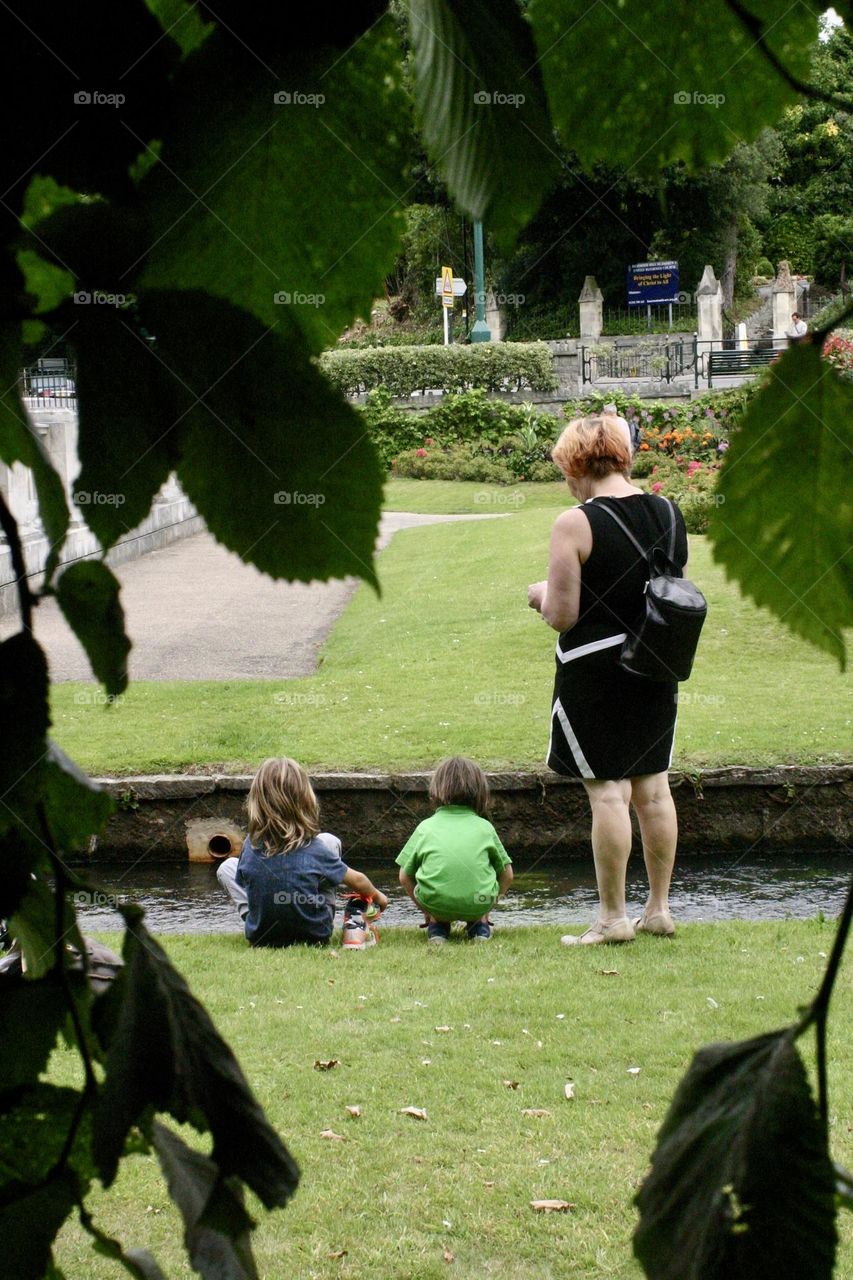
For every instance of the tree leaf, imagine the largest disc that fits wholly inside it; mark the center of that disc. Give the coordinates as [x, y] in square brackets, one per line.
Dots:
[248, 403]
[20, 443]
[551, 1206]
[34, 926]
[416, 1113]
[31, 1016]
[75, 806]
[126, 438]
[165, 1053]
[628, 87]
[88, 595]
[781, 529]
[216, 1225]
[29, 1220]
[741, 1185]
[24, 717]
[231, 209]
[482, 108]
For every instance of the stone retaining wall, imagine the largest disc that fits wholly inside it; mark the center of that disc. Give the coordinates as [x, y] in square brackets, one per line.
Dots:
[751, 812]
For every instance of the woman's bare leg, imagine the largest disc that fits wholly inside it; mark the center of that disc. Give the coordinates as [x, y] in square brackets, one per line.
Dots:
[652, 799]
[611, 843]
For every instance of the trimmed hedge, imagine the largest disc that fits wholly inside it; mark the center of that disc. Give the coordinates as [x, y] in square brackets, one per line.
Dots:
[402, 371]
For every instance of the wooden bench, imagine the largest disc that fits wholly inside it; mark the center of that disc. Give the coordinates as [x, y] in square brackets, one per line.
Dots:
[734, 362]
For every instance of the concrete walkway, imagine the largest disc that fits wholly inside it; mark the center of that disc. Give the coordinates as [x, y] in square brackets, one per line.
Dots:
[195, 611]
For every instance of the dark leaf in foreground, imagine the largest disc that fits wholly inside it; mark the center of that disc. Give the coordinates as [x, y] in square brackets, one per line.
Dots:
[165, 1053]
[216, 1224]
[741, 1185]
[88, 595]
[787, 542]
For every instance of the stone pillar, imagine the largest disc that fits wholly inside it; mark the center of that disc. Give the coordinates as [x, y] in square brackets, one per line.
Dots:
[784, 297]
[591, 302]
[709, 307]
[742, 340]
[495, 318]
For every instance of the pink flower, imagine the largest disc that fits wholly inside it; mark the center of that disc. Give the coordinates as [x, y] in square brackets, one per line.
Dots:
[420, 453]
[657, 486]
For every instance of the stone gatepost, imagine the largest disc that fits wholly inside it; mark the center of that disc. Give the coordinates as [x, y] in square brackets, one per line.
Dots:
[495, 318]
[709, 308]
[591, 302]
[784, 297]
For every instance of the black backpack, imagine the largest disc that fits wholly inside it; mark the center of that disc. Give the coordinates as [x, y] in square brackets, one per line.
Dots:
[663, 645]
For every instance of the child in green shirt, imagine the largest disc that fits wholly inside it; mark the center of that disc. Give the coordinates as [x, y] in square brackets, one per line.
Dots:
[453, 865]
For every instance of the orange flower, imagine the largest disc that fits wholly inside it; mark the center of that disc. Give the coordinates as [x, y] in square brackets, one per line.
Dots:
[643, 446]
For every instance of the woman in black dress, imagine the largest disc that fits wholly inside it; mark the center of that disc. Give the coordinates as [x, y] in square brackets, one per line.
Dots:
[612, 729]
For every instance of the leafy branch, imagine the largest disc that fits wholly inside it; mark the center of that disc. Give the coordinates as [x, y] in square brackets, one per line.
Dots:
[758, 30]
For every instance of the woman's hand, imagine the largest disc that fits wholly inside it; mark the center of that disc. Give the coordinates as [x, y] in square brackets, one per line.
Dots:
[536, 595]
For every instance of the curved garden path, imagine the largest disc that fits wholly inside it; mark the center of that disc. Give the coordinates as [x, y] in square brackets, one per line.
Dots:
[195, 611]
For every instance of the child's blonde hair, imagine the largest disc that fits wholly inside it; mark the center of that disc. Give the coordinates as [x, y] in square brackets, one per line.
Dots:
[459, 780]
[596, 446]
[282, 807]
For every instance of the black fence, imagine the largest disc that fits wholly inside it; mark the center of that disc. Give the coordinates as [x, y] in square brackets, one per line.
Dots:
[50, 382]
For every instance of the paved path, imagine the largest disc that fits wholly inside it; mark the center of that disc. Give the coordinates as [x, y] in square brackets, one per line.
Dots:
[195, 611]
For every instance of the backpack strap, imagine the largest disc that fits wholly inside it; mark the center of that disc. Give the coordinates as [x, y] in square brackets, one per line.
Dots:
[647, 554]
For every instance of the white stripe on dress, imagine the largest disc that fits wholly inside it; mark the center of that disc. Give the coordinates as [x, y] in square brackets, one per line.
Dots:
[569, 655]
[571, 739]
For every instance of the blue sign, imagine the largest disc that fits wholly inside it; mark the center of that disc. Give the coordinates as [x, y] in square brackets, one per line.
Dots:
[652, 283]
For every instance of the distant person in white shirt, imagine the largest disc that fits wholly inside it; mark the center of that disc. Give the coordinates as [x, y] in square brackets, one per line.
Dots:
[798, 328]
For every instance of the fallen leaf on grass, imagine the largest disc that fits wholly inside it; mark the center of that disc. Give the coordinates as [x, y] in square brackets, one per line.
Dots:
[354, 1111]
[609, 973]
[551, 1206]
[417, 1113]
[569, 1090]
[443, 1028]
[326, 1064]
[332, 1136]
[395, 1019]
[448, 1255]
[426, 1062]
[339, 1253]
[712, 1002]
[633, 1071]
[535, 1111]
[511, 1084]
[488, 1184]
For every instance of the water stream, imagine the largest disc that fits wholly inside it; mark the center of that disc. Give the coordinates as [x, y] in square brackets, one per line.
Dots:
[186, 898]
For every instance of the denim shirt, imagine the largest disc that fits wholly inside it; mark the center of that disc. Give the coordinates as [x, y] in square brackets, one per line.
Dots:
[291, 895]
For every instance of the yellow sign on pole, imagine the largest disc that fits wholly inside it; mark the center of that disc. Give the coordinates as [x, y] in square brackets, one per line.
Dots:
[447, 286]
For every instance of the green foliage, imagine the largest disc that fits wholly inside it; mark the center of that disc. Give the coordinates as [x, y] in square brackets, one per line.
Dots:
[787, 543]
[791, 237]
[741, 1183]
[624, 92]
[833, 256]
[481, 104]
[233, 247]
[88, 596]
[406, 370]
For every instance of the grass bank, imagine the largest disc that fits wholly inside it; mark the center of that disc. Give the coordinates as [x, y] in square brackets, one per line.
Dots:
[450, 659]
[444, 1030]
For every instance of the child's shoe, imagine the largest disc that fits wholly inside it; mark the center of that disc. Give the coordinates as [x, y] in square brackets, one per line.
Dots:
[357, 933]
[438, 933]
[478, 931]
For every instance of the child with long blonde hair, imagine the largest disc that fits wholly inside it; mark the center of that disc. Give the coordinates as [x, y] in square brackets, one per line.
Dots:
[285, 880]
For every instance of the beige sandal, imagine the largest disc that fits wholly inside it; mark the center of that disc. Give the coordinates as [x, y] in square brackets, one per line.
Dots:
[617, 931]
[660, 923]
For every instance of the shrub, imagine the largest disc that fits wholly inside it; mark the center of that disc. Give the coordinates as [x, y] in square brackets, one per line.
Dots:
[764, 267]
[402, 371]
[457, 462]
[838, 350]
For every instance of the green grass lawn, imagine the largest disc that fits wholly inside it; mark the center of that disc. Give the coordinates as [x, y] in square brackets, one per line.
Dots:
[450, 659]
[399, 1191]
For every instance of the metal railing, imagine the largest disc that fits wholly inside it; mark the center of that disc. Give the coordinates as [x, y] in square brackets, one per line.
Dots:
[51, 383]
[679, 359]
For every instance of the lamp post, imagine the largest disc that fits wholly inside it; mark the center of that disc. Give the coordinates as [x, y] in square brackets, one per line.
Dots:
[480, 332]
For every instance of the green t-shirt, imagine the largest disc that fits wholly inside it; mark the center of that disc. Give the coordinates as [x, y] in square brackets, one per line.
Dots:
[455, 858]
